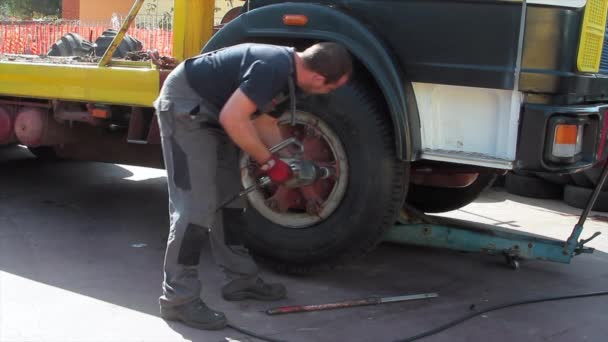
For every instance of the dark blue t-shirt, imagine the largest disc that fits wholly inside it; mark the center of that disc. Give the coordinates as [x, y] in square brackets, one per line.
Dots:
[261, 71]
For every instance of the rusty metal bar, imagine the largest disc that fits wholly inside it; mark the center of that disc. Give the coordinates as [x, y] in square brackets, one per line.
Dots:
[347, 304]
[132, 64]
[107, 57]
[26, 103]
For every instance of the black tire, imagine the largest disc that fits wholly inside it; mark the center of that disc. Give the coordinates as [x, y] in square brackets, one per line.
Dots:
[431, 199]
[593, 175]
[128, 44]
[374, 194]
[44, 153]
[71, 44]
[580, 179]
[555, 179]
[529, 186]
[577, 196]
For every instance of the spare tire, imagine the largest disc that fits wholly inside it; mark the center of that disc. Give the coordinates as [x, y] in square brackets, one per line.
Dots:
[71, 44]
[432, 199]
[578, 196]
[128, 44]
[351, 130]
[530, 186]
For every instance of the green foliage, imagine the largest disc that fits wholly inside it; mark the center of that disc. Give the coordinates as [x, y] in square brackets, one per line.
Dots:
[26, 9]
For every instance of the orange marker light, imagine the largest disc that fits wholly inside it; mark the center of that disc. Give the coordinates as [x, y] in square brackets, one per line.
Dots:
[568, 141]
[566, 134]
[295, 20]
[100, 113]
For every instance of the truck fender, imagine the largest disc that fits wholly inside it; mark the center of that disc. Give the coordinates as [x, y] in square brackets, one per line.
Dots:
[330, 24]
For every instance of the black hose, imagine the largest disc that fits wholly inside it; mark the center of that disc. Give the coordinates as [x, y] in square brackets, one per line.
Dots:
[252, 334]
[494, 308]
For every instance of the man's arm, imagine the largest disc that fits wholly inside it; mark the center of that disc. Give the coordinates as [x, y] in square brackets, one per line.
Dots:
[235, 117]
[268, 130]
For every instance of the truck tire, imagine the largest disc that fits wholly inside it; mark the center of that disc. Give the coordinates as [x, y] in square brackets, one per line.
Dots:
[530, 186]
[432, 199]
[128, 44]
[577, 196]
[555, 179]
[372, 181]
[580, 179]
[71, 44]
[44, 153]
[593, 175]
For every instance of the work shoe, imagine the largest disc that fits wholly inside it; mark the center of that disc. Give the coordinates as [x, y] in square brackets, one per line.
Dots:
[244, 288]
[195, 314]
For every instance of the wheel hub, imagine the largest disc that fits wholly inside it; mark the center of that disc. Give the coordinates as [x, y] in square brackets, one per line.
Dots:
[310, 197]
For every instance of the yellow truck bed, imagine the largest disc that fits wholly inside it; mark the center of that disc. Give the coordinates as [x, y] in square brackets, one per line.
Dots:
[125, 85]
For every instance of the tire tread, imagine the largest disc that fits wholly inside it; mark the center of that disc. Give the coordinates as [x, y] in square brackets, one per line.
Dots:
[398, 189]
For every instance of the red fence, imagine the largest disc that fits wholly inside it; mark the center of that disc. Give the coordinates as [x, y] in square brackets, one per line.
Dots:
[37, 38]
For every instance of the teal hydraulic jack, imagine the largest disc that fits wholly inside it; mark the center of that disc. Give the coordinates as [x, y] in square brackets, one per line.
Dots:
[433, 231]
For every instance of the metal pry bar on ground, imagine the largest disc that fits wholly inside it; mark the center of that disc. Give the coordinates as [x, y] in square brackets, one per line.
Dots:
[347, 304]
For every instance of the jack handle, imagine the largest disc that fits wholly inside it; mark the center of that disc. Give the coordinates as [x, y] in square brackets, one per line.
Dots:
[571, 245]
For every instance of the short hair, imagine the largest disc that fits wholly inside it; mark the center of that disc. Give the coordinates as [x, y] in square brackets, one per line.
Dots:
[331, 60]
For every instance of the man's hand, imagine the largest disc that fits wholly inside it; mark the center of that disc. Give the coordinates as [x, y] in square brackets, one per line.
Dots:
[278, 170]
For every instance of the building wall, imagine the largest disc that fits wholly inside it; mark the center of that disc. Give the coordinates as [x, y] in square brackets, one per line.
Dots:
[95, 10]
[70, 9]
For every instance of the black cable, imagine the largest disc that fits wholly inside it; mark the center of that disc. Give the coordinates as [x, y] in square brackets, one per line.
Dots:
[494, 308]
[252, 334]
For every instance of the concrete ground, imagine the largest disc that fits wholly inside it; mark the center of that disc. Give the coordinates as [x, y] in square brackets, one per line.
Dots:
[81, 251]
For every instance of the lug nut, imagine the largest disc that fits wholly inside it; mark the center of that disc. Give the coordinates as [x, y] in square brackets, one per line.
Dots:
[312, 208]
[311, 132]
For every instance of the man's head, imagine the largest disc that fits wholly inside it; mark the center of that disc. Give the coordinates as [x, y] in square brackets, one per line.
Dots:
[324, 67]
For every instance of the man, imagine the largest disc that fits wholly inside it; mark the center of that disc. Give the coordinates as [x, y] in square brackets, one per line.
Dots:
[209, 107]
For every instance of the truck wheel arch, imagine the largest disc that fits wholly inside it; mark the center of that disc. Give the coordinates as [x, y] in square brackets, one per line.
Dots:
[329, 24]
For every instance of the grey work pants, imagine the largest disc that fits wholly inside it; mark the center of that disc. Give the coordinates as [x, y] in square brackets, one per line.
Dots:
[202, 172]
